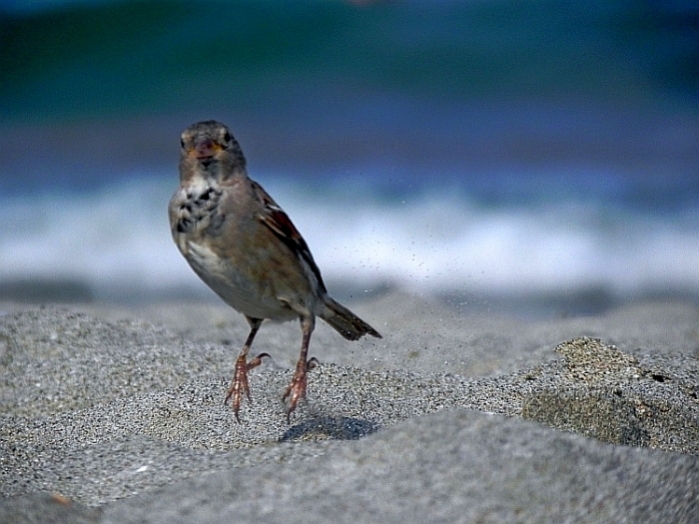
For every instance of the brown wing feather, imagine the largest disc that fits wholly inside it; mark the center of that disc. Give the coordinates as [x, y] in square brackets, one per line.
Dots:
[281, 225]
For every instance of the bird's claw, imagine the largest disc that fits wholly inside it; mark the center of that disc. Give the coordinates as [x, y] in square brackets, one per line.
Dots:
[296, 390]
[240, 385]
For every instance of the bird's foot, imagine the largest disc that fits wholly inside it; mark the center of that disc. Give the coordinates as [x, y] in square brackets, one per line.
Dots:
[297, 388]
[240, 385]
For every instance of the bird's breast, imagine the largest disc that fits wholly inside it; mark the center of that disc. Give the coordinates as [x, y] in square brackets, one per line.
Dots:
[194, 212]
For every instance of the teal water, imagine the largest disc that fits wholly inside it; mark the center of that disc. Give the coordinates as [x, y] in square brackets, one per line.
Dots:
[122, 58]
[494, 148]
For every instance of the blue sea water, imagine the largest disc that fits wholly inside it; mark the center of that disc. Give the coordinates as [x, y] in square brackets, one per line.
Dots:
[495, 150]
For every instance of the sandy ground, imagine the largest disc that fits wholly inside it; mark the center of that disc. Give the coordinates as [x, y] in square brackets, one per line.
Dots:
[115, 414]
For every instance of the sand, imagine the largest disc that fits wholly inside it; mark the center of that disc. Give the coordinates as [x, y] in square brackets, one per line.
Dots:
[115, 414]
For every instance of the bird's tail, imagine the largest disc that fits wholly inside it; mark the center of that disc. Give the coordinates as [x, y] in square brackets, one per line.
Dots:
[345, 322]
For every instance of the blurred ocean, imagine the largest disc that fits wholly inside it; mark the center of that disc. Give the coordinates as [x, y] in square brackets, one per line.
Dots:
[491, 151]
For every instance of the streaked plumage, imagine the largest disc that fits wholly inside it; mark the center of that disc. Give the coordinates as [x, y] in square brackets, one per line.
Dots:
[245, 247]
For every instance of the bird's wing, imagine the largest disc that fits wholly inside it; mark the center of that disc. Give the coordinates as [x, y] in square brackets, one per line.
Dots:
[283, 228]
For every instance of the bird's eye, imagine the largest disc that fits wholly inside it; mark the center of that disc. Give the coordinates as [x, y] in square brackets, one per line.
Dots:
[182, 143]
[227, 137]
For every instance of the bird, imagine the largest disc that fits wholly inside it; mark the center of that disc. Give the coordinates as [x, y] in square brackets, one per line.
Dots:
[241, 243]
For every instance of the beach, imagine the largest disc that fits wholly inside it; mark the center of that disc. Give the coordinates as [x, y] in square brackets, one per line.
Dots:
[506, 191]
[115, 413]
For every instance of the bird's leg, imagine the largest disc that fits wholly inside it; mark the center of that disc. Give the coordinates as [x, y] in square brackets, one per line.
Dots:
[242, 366]
[297, 388]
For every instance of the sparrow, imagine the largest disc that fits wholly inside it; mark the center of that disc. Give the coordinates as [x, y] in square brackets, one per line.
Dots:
[247, 250]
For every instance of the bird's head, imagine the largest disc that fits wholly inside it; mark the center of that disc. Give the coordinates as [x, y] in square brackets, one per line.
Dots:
[209, 147]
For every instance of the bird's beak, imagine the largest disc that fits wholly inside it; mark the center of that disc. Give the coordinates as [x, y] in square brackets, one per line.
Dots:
[205, 148]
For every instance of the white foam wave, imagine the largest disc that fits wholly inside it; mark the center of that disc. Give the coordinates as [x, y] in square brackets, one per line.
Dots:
[118, 242]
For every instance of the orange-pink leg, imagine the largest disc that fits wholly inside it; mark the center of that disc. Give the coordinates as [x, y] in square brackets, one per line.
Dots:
[297, 388]
[240, 385]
